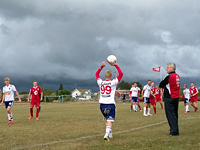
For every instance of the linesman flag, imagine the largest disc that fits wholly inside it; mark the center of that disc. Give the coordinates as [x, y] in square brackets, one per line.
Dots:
[156, 69]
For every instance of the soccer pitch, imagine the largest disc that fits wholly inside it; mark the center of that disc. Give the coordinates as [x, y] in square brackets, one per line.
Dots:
[80, 126]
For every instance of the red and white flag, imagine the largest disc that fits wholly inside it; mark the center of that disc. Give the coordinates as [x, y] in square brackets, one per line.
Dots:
[156, 69]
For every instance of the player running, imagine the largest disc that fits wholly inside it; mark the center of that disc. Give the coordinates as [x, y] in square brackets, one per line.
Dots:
[35, 92]
[107, 96]
[145, 96]
[159, 96]
[9, 91]
[186, 93]
[194, 96]
[153, 97]
[133, 93]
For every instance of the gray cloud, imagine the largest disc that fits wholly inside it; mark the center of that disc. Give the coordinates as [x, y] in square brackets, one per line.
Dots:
[66, 41]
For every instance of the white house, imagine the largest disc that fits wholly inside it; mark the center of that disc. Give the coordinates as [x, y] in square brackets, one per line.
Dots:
[83, 94]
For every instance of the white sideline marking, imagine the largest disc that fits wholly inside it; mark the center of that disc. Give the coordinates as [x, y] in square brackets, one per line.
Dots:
[93, 136]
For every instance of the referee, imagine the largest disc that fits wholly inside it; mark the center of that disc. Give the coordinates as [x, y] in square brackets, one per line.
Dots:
[171, 86]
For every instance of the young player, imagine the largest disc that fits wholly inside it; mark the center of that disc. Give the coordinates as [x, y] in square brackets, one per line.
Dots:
[35, 92]
[194, 96]
[153, 97]
[145, 96]
[9, 91]
[133, 93]
[186, 93]
[159, 96]
[107, 96]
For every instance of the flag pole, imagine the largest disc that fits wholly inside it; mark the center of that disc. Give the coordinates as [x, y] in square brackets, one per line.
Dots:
[160, 74]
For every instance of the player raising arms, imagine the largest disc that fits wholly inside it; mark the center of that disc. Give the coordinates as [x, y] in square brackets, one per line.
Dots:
[186, 93]
[107, 96]
[133, 93]
[35, 92]
[159, 96]
[194, 96]
[153, 97]
[145, 96]
[9, 91]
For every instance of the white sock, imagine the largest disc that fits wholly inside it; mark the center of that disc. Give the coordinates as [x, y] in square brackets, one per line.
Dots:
[108, 129]
[148, 111]
[187, 107]
[134, 107]
[144, 110]
[9, 117]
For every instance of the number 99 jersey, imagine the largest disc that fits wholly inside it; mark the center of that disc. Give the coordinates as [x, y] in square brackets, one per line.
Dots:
[107, 90]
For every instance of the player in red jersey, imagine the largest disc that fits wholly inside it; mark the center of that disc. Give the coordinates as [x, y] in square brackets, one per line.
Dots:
[159, 96]
[35, 92]
[194, 96]
[153, 97]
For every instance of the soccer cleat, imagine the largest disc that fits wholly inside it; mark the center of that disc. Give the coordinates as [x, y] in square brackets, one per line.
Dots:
[10, 123]
[149, 115]
[106, 137]
[36, 118]
[145, 115]
[185, 112]
[141, 110]
[188, 111]
[155, 114]
[30, 117]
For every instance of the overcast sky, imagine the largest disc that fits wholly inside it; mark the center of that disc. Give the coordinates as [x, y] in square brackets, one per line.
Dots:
[65, 41]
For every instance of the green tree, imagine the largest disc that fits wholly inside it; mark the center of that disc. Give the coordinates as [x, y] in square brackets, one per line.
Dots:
[47, 92]
[24, 92]
[126, 85]
[61, 87]
[63, 92]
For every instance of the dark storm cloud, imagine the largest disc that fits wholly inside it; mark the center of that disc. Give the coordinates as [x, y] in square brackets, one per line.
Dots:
[65, 41]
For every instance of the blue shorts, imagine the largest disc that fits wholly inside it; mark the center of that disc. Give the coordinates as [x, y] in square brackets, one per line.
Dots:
[134, 99]
[146, 100]
[9, 104]
[186, 100]
[108, 111]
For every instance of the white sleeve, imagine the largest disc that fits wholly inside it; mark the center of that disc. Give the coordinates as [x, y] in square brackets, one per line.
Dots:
[99, 81]
[14, 88]
[145, 87]
[4, 90]
[115, 82]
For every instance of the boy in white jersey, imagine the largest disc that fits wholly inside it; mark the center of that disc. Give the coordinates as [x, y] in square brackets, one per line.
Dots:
[186, 93]
[133, 93]
[9, 91]
[145, 95]
[107, 96]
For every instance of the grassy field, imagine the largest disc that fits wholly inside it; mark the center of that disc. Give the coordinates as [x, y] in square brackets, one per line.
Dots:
[79, 126]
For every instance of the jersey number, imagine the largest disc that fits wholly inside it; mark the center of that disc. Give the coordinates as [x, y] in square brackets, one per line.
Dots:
[105, 89]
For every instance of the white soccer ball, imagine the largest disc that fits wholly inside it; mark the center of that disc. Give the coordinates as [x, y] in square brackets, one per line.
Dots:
[112, 59]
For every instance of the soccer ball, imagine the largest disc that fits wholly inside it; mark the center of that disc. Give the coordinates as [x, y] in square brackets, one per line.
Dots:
[111, 59]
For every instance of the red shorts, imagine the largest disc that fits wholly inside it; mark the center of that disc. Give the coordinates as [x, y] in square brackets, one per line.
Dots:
[153, 101]
[158, 99]
[35, 103]
[193, 100]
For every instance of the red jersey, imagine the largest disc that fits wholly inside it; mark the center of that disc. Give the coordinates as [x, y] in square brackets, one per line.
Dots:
[153, 91]
[158, 93]
[194, 90]
[35, 92]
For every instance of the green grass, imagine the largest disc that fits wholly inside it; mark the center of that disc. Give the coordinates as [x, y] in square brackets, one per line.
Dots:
[61, 127]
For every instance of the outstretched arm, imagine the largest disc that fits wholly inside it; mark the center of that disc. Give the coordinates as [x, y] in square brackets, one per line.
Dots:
[120, 72]
[99, 70]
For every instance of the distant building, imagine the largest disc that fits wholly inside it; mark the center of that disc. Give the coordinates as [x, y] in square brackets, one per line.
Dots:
[82, 94]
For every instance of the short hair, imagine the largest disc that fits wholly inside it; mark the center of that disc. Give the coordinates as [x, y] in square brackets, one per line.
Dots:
[191, 82]
[148, 80]
[185, 85]
[6, 79]
[108, 74]
[34, 81]
[173, 65]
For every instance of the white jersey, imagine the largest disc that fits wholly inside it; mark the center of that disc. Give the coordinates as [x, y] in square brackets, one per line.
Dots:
[147, 91]
[186, 93]
[107, 91]
[9, 92]
[134, 91]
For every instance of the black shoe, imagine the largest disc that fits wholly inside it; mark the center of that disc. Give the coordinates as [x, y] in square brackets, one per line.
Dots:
[177, 134]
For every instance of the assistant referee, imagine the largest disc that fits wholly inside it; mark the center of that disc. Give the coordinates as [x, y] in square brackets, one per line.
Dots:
[171, 86]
